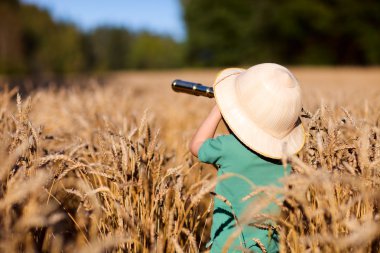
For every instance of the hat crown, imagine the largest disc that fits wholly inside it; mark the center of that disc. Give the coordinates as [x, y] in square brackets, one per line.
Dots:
[270, 96]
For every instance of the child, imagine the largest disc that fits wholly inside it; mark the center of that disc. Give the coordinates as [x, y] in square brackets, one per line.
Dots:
[261, 107]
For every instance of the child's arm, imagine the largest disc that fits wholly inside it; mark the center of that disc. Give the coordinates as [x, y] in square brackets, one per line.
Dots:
[206, 130]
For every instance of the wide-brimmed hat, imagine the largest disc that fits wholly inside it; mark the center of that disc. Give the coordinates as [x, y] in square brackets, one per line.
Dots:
[261, 106]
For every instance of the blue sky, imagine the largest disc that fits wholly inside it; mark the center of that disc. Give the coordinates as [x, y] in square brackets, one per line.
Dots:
[159, 16]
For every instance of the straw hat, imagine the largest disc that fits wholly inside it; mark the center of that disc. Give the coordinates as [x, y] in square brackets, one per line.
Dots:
[261, 105]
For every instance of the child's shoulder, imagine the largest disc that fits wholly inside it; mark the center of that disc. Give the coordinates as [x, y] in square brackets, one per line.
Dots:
[225, 137]
[230, 143]
[228, 138]
[233, 146]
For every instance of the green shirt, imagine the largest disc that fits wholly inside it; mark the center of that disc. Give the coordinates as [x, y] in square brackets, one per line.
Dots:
[231, 156]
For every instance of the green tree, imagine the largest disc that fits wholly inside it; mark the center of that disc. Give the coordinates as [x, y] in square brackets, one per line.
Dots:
[152, 51]
[227, 32]
[11, 57]
[50, 47]
[110, 48]
[32, 43]
[216, 30]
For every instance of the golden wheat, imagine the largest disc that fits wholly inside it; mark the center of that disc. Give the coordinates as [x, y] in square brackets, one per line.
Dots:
[105, 168]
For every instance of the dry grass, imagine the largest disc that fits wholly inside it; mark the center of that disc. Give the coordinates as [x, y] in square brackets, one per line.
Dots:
[106, 168]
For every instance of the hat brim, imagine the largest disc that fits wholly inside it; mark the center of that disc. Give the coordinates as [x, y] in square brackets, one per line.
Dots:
[246, 130]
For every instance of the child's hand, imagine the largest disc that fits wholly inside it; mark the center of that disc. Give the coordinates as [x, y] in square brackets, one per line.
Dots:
[206, 130]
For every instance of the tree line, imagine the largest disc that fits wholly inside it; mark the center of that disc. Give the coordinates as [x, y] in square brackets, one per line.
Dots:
[31, 42]
[219, 33]
[228, 32]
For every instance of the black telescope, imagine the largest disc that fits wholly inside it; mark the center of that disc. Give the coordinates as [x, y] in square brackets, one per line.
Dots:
[196, 89]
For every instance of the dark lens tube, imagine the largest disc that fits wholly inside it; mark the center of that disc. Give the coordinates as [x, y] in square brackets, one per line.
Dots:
[192, 88]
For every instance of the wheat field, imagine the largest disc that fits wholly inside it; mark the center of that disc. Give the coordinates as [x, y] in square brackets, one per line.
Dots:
[103, 166]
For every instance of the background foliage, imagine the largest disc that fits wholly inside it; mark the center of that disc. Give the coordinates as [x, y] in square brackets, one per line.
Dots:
[225, 32]
[219, 33]
[31, 42]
